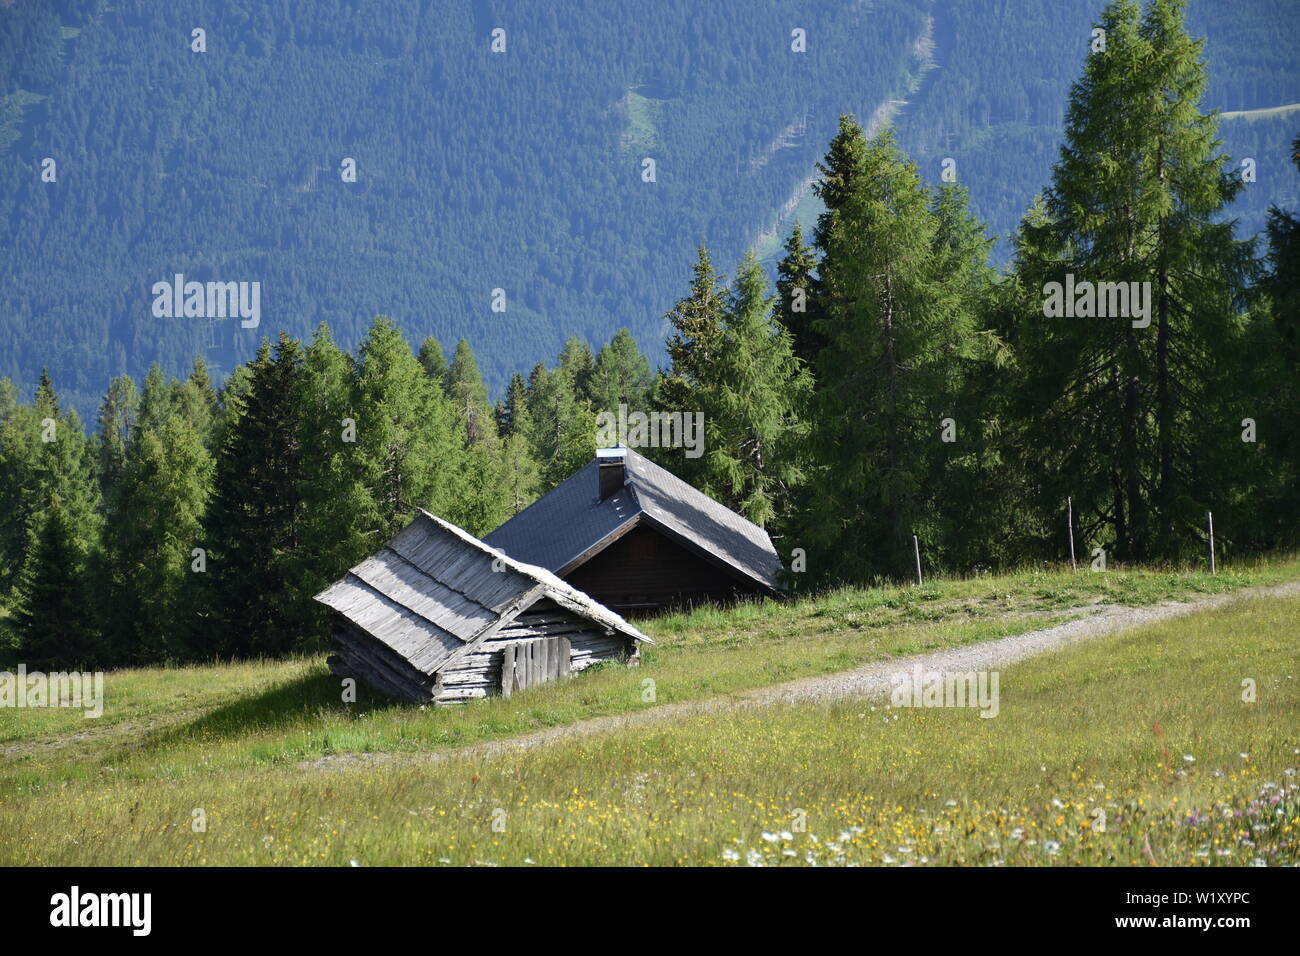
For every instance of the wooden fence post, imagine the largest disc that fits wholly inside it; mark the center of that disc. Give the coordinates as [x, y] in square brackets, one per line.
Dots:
[1069, 521]
[1209, 515]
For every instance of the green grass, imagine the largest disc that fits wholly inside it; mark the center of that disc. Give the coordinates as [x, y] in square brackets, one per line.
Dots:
[155, 720]
[230, 739]
[643, 117]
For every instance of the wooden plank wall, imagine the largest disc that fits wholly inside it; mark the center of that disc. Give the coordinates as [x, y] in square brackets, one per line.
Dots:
[531, 662]
[644, 572]
[532, 638]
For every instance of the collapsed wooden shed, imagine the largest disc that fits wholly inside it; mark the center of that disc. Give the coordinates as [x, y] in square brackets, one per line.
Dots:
[439, 616]
[638, 539]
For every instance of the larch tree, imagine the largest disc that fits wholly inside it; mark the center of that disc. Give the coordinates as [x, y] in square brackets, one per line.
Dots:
[154, 525]
[407, 438]
[754, 405]
[1132, 411]
[336, 501]
[44, 453]
[620, 376]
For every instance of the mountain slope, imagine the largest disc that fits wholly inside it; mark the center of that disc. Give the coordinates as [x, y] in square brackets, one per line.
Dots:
[476, 170]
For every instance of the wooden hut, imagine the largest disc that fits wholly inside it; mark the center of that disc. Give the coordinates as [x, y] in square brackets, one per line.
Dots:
[439, 616]
[639, 539]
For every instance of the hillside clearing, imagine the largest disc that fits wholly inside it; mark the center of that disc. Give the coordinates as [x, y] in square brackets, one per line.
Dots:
[870, 682]
[1130, 749]
[168, 722]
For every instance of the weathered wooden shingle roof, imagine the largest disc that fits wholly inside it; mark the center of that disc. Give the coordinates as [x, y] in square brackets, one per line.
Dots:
[568, 524]
[435, 589]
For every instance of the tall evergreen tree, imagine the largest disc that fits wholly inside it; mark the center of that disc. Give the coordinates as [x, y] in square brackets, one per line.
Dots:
[620, 376]
[978, 519]
[8, 399]
[117, 415]
[51, 617]
[469, 396]
[796, 302]
[753, 405]
[44, 453]
[1137, 419]
[693, 351]
[562, 428]
[894, 328]
[514, 404]
[481, 501]
[154, 524]
[336, 501]
[697, 334]
[196, 398]
[520, 474]
[433, 361]
[254, 524]
[577, 363]
[1279, 348]
[406, 434]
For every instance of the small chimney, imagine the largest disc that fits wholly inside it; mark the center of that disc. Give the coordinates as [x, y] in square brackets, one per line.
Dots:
[612, 471]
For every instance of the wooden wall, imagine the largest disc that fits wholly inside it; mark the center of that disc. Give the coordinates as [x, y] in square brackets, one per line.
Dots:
[543, 643]
[644, 572]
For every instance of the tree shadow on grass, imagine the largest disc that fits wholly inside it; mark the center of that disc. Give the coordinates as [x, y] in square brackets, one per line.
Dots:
[307, 699]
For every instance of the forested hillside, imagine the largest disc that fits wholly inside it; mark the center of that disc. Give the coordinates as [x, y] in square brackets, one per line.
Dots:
[520, 170]
[997, 98]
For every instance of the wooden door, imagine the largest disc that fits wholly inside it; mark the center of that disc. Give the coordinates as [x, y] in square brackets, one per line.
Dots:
[527, 663]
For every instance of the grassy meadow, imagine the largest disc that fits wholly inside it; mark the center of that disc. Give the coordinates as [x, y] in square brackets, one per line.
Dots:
[1147, 727]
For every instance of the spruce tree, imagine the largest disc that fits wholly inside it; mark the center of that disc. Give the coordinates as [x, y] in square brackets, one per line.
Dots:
[693, 352]
[117, 414]
[796, 302]
[508, 409]
[1278, 350]
[51, 618]
[894, 328]
[253, 526]
[697, 334]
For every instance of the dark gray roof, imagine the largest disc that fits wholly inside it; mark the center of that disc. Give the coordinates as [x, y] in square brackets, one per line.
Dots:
[436, 589]
[569, 521]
